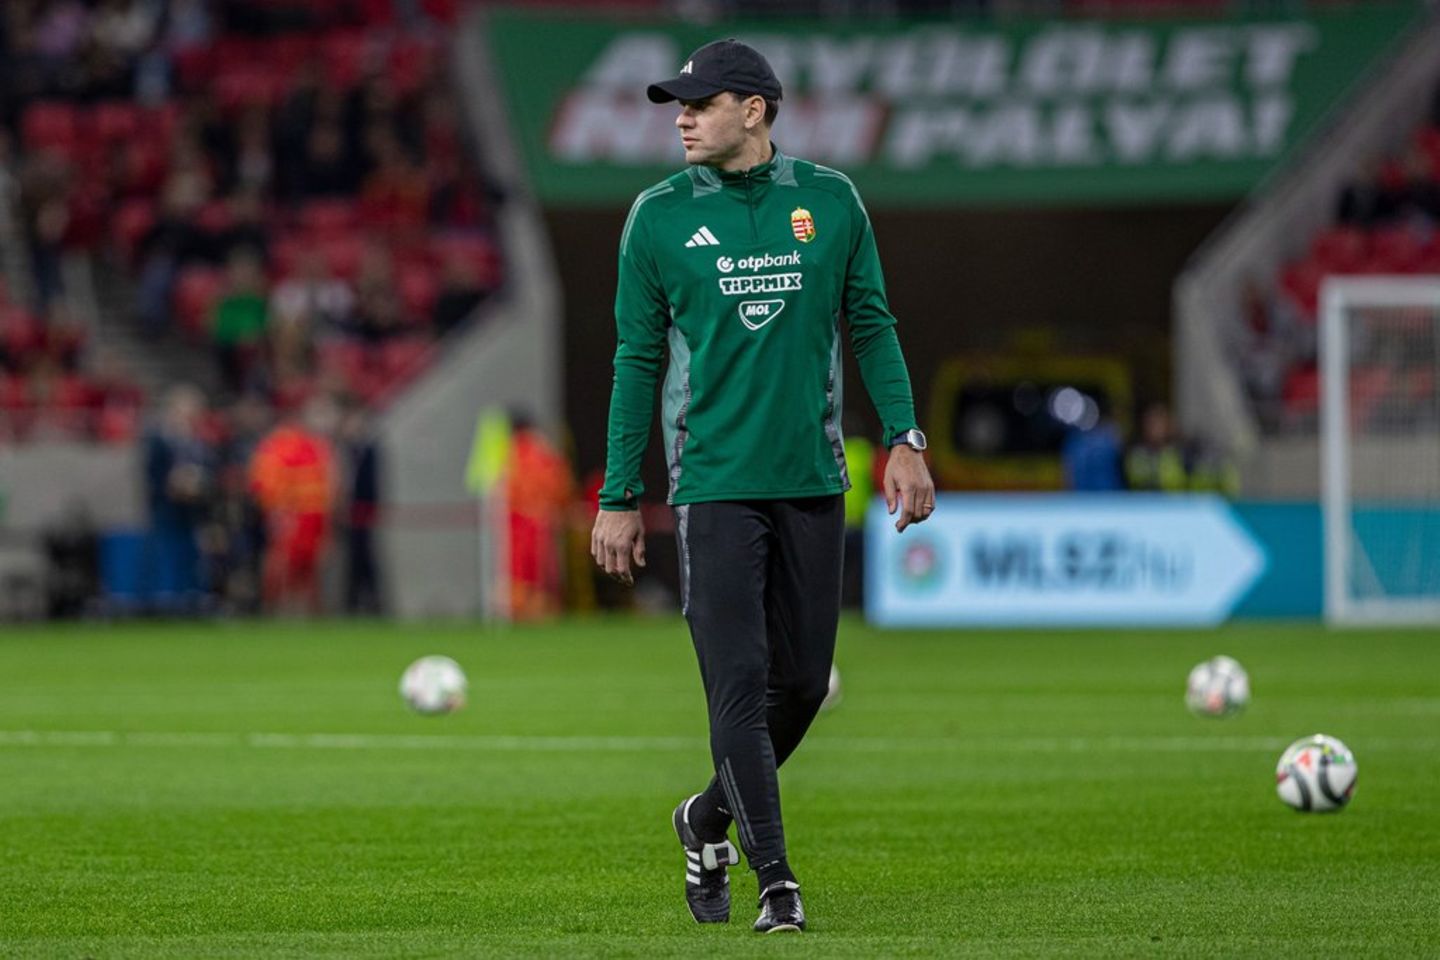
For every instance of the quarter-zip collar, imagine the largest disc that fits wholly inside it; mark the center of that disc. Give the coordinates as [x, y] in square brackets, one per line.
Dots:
[763, 173]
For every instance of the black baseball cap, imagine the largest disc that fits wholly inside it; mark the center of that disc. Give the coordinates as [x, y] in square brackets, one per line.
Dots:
[718, 66]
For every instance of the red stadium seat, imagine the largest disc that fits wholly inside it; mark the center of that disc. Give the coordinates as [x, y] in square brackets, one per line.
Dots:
[1429, 262]
[196, 290]
[52, 125]
[1300, 281]
[117, 423]
[409, 62]
[476, 249]
[346, 54]
[14, 394]
[1395, 250]
[285, 251]
[446, 11]
[1428, 140]
[343, 253]
[340, 356]
[115, 120]
[21, 332]
[403, 357]
[419, 288]
[329, 217]
[1341, 249]
[289, 52]
[253, 83]
[1301, 393]
[214, 217]
[73, 394]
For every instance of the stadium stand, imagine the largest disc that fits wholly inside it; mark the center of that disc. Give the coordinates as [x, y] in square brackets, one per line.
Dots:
[1386, 222]
[189, 144]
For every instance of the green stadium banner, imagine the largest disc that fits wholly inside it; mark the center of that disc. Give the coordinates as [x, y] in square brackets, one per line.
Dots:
[954, 112]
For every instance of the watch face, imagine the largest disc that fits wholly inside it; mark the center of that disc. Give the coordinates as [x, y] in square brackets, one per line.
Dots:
[916, 439]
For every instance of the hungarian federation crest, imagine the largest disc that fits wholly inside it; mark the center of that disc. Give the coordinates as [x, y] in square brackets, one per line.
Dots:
[803, 225]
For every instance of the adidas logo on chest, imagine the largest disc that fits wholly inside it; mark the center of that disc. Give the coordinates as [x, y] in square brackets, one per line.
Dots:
[702, 238]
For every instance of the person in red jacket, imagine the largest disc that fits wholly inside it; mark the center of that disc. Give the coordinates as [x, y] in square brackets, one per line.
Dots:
[292, 476]
[540, 487]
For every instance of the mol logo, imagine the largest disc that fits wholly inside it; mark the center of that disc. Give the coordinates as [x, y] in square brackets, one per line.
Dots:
[756, 313]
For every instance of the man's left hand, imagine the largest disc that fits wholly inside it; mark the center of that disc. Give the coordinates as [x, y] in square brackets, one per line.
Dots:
[908, 486]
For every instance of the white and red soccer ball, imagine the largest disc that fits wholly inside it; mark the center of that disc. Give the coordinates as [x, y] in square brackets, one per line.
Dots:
[1219, 687]
[434, 685]
[1316, 774]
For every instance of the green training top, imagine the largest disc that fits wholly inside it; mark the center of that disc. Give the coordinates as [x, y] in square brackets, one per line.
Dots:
[743, 278]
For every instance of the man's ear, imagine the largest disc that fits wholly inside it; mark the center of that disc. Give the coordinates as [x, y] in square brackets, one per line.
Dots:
[754, 112]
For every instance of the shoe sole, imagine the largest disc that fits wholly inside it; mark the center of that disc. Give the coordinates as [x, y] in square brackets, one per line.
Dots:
[784, 928]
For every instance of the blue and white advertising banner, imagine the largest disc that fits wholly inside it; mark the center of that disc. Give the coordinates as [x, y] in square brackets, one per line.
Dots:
[1062, 559]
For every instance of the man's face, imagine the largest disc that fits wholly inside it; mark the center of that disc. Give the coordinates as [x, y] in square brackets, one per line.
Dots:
[712, 130]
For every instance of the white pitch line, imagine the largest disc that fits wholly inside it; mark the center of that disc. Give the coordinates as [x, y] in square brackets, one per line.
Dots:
[581, 744]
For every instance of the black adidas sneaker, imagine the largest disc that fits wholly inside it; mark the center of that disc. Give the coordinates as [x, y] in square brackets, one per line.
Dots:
[780, 908]
[707, 880]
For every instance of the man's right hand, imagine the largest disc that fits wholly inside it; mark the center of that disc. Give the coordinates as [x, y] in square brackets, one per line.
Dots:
[617, 540]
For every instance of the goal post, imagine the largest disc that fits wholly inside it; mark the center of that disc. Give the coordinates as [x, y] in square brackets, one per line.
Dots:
[1379, 353]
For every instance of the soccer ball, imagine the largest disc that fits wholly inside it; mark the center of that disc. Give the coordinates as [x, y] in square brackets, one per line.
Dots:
[832, 692]
[1219, 687]
[433, 685]
[1316, 774]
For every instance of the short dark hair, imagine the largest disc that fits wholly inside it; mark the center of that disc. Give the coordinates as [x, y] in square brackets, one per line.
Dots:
[772, 107]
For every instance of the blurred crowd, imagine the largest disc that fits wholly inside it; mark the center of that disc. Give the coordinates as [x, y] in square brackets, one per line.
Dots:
[253, 512]
[1158, 458]
[1386, 221]
[285, 185]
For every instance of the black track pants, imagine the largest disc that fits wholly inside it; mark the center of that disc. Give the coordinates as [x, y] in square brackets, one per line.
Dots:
[760, 588]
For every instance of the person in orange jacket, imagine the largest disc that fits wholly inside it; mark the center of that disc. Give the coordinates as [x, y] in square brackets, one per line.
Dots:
[539, 488]
[293, 478]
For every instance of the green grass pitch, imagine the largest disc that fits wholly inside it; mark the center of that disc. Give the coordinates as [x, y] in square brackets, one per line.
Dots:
[259, 790]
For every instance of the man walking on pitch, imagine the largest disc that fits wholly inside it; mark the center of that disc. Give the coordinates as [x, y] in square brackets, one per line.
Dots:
[740, 268]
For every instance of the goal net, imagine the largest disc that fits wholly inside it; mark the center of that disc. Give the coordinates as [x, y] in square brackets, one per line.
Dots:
[1380, 448]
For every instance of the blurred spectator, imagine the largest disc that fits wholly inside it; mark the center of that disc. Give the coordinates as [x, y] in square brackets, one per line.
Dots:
[362, 593]
[178, 479]
[539, 489]
[379, 313]
[189, 25]
[237, 515]
[171, 243]
[326, 169]
[1269, 340]
[1092, 458]
[1156, 461]
[124, 28]
[72, 553]
[246, 228]
[250, 159]
[1420, 203]
[311, 289]
[64, 337]
[1209, 470]
[293, 479]
[461, 291]
[238, 328]
[46, 182]
[395, 195]
[1367, 200]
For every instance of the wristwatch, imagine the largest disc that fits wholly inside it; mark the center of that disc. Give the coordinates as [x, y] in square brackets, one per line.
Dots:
[913, 438]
